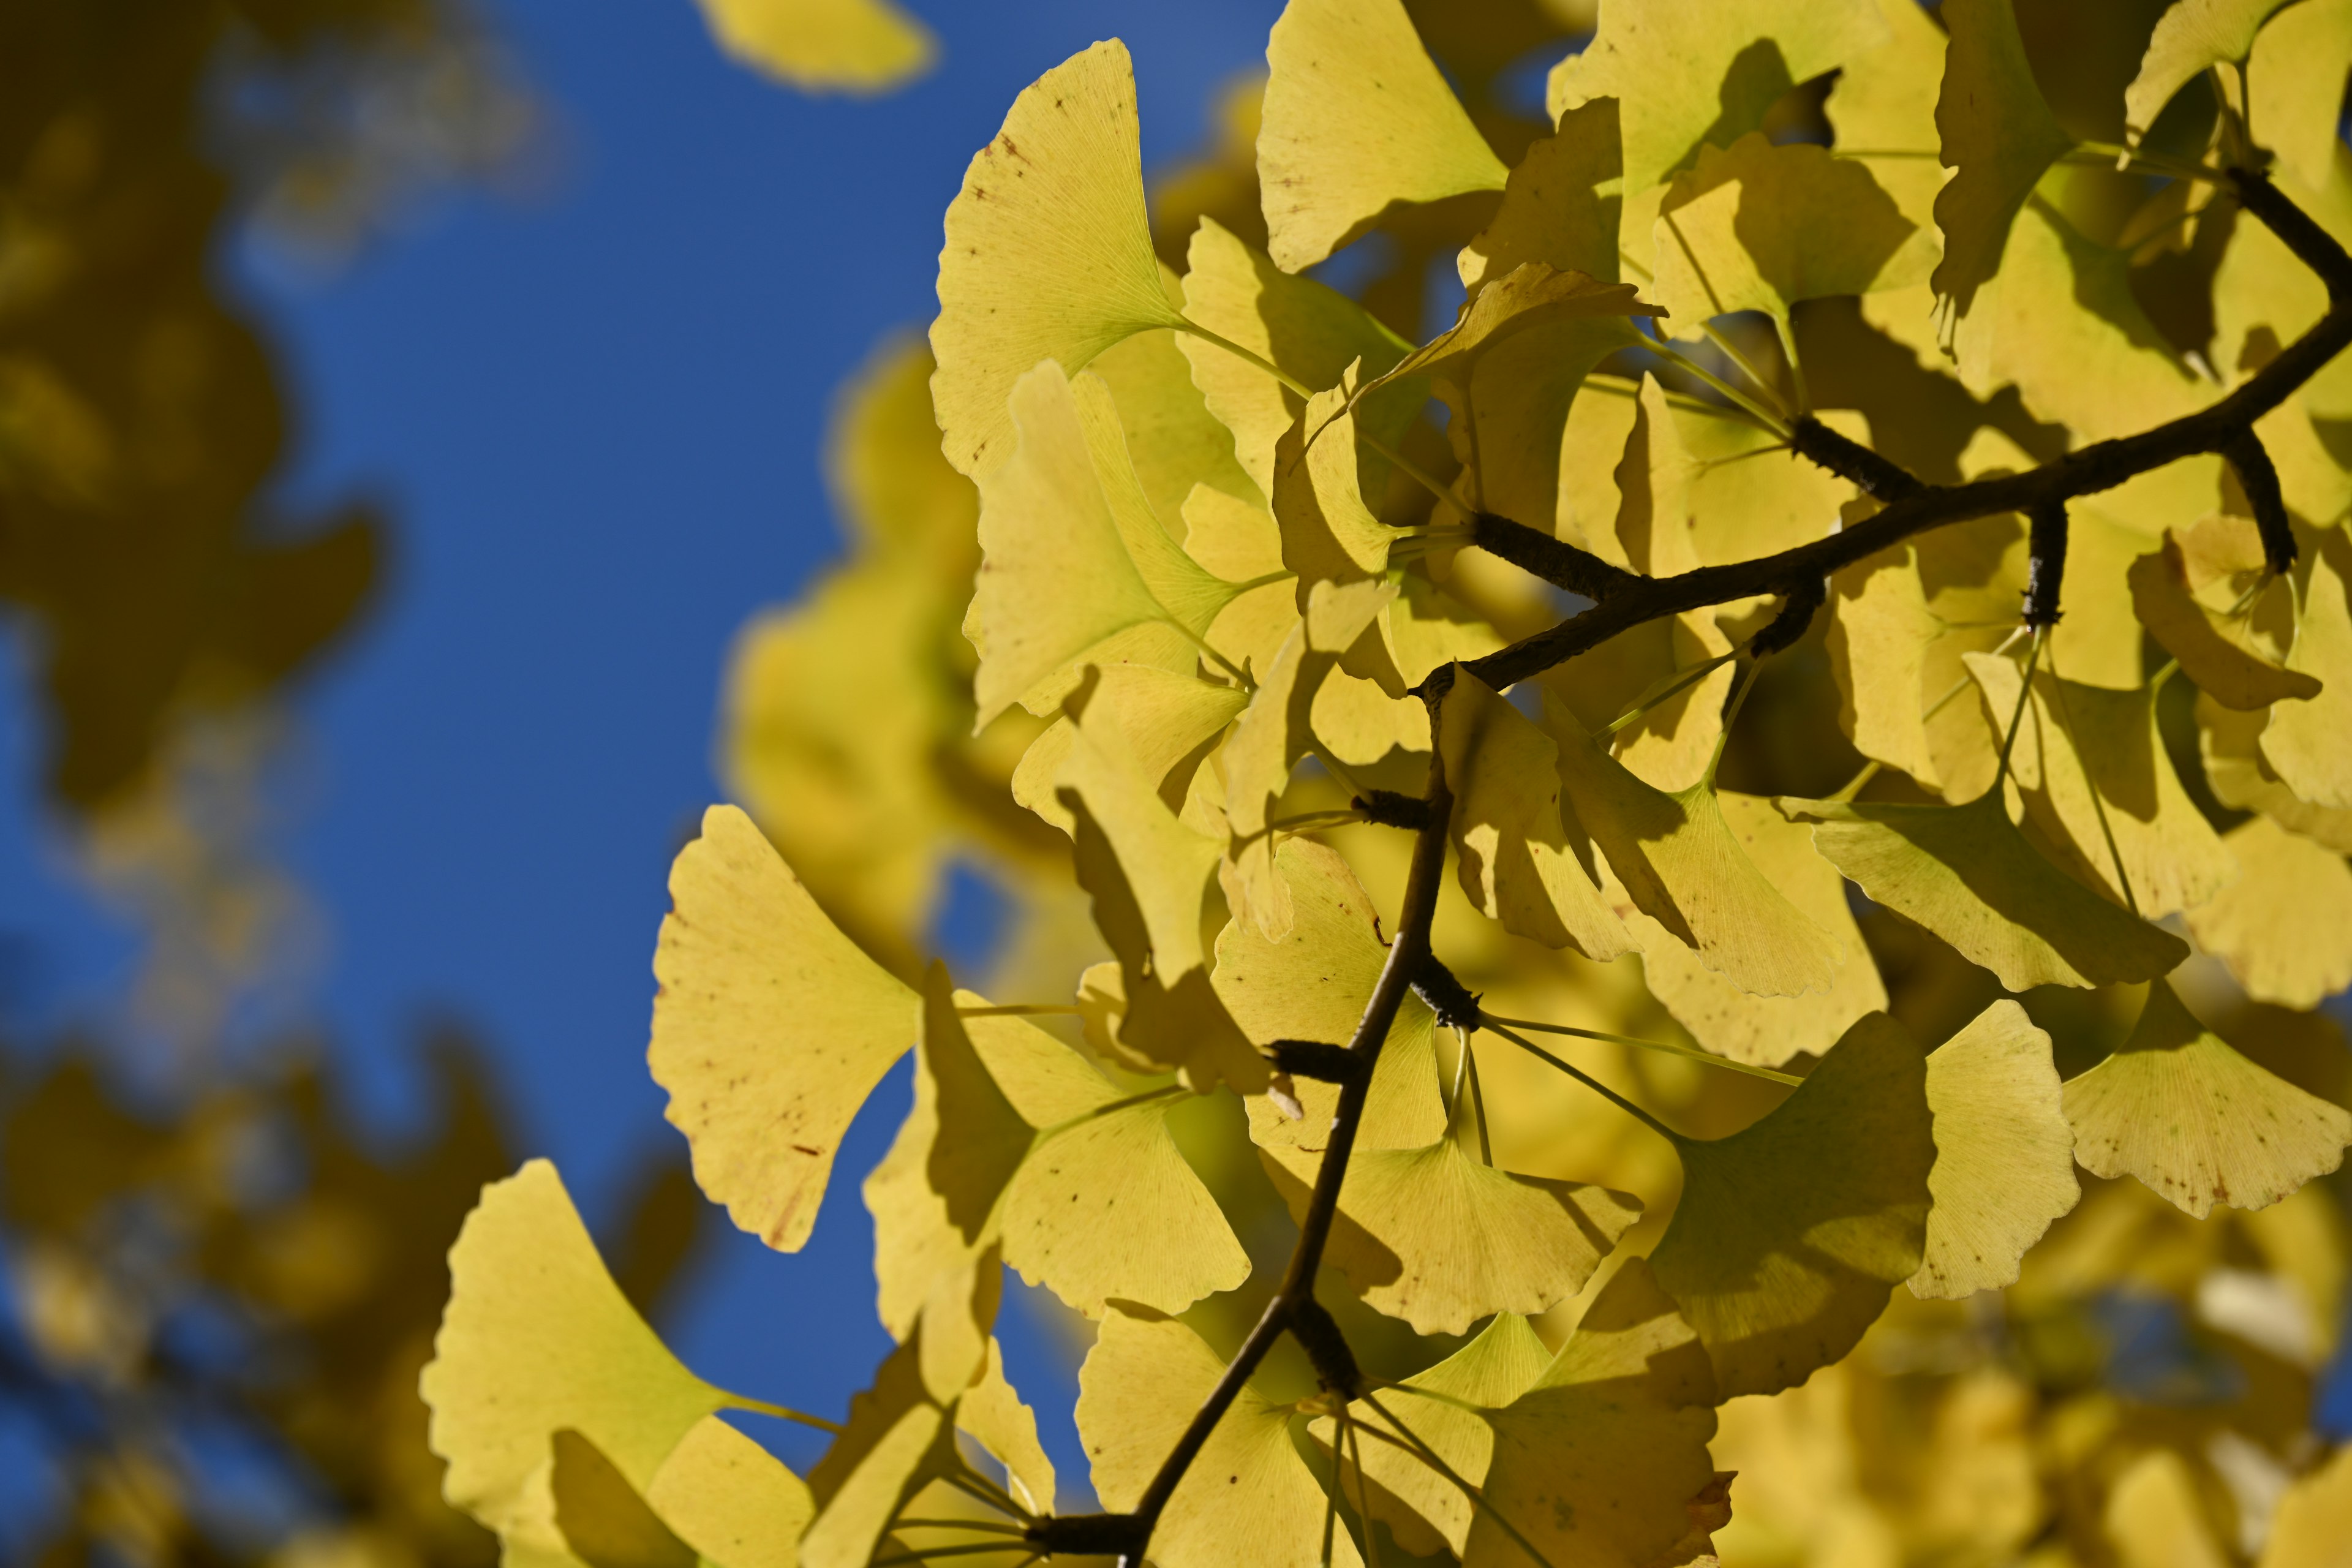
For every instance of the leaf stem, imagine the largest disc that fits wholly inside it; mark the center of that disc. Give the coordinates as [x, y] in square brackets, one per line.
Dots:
[2016, 718]
[1771, 419]
[2098, 806]
[1678, 682]
[1688, 1052]
[1477, 1495]
[1588, 1080]
[782, 1412]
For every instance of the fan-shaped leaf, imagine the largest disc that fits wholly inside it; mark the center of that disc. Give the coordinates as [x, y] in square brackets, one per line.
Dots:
[727, 1499]
[1167, 719]
[2296, 81]
[1048, 251]
[857, 45]
[2004, 1155]
[1998, 136]
[2190, 38]
[2309, 744]
[1560, 204]
[2223, 654]
[1357, 121]
[2284, 925]
[1883, 104]
[769, 1031]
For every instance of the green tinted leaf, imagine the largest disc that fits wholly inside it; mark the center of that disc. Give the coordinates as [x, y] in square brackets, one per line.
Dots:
[2223, 654]
[2295, 82]
[2190, 38]
[1998, 136]
[2309, 744]
[603, 1520]
[2004, 1154]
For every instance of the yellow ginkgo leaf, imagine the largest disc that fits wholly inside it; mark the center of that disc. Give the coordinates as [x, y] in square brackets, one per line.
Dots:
[602, 1520]
[1313, 984]
[2309, 744]
[1359, 723]
[2076, 739]
[1598, 1463]
[1357, 121]
[1760, 226]
[1173, 440]
[1881, 110]
[1311, 330]
[1769, 1030]
[1686, 73]
[729, 1499]
[2004, 1155]
[1998, 136]
[1560, 207]
[2191, 37]
[1880, 634]
[1684, 867]
[1968, 874]
[537, 1338]
[2196, 1121]
[993, 1415]
[1514, 858]
[2154, 1517]
[857, 46]
[1150, 876]
[1790, 1233]
[1434, 1238]
[1167, 718]
[2222, 653]
[2295, 79]
[2284, 925]
[1048, 250]
[1329, 532]
[2228, 743]
[770, 1030]
[1427, 1511]
[1248, 1497]
[1076, 568]
[2314, 1519]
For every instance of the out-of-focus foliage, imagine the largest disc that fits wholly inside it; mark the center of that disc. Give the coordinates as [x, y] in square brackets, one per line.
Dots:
[847, 45]
[1965, 1173]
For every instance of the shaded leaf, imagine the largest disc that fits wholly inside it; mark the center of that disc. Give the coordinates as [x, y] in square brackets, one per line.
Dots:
[2004, 1154]
[1167, 720]
[1998, 136]
[2223, 654]
[2190, 38]
[1560, 205]
[731, 1501]
[993, 1415]
[603, 1520]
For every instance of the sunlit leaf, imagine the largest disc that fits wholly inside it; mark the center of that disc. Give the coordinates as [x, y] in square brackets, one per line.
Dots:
[1686, 73]
[2314, 1519]
[1879, 635]
[1167, 720]
[1248, 1498]
[2224, 654]
[1328, 531]
[991, 1414]
[1048, 250]
[2295, 80]
[1513, 855]
[2190, 38]
[730, 1501]
[2309, 744]
[1998, 136]
[1884, 102]
[1560, 207]
[857, 45]
[2004, 1154]
[2196, 1121]
[2283, 925]
[1790, 1233]
[600, 1515]
[770, 1030]
[537, 1338]
[1357, 121]
[1769, 1030]
[2228, 744]
[1598, 1462]
[1760, 226]
[1684, 867]
[1968, 874]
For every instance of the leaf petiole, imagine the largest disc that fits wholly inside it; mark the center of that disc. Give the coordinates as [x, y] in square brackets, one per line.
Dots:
[1692, 1053]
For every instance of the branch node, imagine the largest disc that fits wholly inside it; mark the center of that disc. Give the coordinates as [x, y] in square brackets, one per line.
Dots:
[2259, 478]
[1317, 1059]
[1804, 599]
[1882, 478]
[1555, 561]
[1318, 1335]
[1452, 1002]
[1089, 1534]
[1388, 808]
[2045, 568]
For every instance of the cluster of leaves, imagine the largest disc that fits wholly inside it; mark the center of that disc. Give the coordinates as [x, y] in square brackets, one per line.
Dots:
[1935, 453]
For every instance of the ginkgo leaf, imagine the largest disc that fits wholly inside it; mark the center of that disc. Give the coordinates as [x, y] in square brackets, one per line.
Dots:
[1883, 104]
[2190, 38]
[1357, 121]
[770, 1030]
[1998, 136]
[1247, 1497]
[1879, 635]
[1074, 563]
[1759, 226]
[993, 1415]
[1598, 1463]
[1968, 874]
[1150, 876]
[2314, 1518]
[2283, 925]
[537, 1338]
[1685, 72]
[2196, 1121]
[1560, 205]
[1175, 442]
[1048, 250]
[2076, 739]
[600, 1515]
[1313, 984]
[2295, 79]
[2309, 744]
[1309, 329]
[1427, 1511]
[1434, 1237]
[1769, 1030]
[1514, 858]
[857, 45]
[2223, 654]
[729, 1499]
[1328, 533]
[900, 1434]
[1359, 723]
[2004, 1154]
[1167, 720]
[1790, 1233]
[1682, 866]
[2228, 744]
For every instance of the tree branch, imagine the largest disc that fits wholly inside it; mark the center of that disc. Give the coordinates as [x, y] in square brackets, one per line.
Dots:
[2102, 466]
